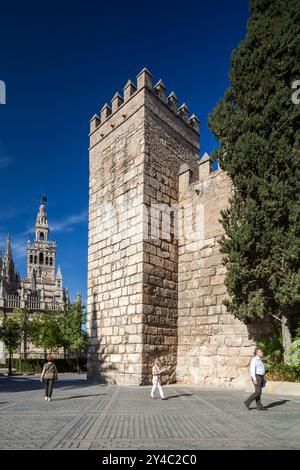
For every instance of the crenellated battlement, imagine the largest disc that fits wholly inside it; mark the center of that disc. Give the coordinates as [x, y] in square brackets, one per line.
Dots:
[206, 172]
[143, 81]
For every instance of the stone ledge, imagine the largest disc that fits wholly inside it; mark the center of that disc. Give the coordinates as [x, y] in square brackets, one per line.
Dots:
[277, 388]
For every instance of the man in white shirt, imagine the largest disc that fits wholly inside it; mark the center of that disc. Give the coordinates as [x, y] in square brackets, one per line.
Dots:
[257, 372]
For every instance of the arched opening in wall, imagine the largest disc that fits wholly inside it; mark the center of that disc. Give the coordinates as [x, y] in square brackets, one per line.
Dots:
[35, 259]
[47, 260]
[42, 236]
[31, 259]
[51, 262]
[41, 258]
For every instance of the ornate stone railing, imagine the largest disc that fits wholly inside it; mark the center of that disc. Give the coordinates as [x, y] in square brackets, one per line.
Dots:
[52, 306]
[32, 303]
[12, 301]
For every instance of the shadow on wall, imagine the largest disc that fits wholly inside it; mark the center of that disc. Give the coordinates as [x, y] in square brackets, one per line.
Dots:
[168, 360]
[97, 369]
[260, 329]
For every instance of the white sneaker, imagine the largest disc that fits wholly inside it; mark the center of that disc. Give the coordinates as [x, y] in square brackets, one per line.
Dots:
[49, 399]
[46, 398]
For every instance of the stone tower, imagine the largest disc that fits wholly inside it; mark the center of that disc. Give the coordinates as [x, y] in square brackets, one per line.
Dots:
[137, 146]
[41, 253]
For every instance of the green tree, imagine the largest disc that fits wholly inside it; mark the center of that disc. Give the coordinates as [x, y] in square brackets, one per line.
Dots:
[293, 356]
[257, 126]
[46, 331]
[10, 333]
[22, 317]
[74, 335]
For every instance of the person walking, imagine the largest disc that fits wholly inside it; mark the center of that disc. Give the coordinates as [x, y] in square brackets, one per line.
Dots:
[257, 372]
[156, 379]
[49, 375]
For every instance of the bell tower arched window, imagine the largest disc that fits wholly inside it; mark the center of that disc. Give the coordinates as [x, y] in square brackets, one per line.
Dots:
[41, 258]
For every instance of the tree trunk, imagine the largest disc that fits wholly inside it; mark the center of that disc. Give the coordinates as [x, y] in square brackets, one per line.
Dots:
[9, 362]
[25, 345]
[77, 364]
[286, 337]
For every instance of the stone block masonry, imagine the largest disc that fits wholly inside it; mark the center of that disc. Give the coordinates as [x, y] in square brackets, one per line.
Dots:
[213, 347]
[155, 282]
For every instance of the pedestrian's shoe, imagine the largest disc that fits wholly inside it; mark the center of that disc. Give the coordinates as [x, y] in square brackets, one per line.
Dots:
[46, 398]
[263, 408]
[164, 398]
[49, 399]
[247, 405]
[153, 398]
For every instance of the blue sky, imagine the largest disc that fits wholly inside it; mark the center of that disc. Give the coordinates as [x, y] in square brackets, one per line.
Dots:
[61, 61]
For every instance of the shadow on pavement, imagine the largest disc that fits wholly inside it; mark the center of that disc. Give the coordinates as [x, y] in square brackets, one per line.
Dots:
[180, 395]
[79, 396]
[14, 384]
[277, 403]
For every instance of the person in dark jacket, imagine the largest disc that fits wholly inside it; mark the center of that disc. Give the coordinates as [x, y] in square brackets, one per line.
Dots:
[49, 375]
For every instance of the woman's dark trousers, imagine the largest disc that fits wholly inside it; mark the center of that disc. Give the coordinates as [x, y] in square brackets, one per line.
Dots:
[48, 387]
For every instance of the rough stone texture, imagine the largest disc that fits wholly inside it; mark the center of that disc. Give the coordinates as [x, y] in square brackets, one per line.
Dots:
[116, 246]
[135, 156]
[169, 143]
[213, 346]
[155, 272]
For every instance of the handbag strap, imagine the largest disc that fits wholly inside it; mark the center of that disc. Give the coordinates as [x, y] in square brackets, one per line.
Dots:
[48, 368]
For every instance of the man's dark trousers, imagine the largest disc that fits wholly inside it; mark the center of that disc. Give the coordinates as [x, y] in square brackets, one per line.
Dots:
[257, 394]
[48, 387]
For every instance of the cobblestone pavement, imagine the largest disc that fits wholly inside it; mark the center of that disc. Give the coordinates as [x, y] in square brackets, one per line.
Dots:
[83, 415]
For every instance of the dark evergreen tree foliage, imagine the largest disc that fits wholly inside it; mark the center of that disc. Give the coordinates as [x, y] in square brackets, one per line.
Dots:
[258, 128]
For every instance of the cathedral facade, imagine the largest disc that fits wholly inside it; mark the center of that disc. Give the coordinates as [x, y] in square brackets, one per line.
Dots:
[42, 288]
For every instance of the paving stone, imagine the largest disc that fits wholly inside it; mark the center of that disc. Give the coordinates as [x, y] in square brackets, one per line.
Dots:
[84, 415]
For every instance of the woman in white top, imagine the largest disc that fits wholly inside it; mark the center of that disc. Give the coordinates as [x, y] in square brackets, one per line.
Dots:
[156, 379]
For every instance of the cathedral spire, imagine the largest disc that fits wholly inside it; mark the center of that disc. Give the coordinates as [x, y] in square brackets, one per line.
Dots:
[59, 278]
[8, 268]
[8, 259]
[79, 297]
[41, 226]
[58, 274]
[8, 253]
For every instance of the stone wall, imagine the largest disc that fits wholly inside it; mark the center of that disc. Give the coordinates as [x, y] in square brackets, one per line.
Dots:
[155, 272]
[214, 347]
[116, 248]
[169, 143]
[136, 149]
